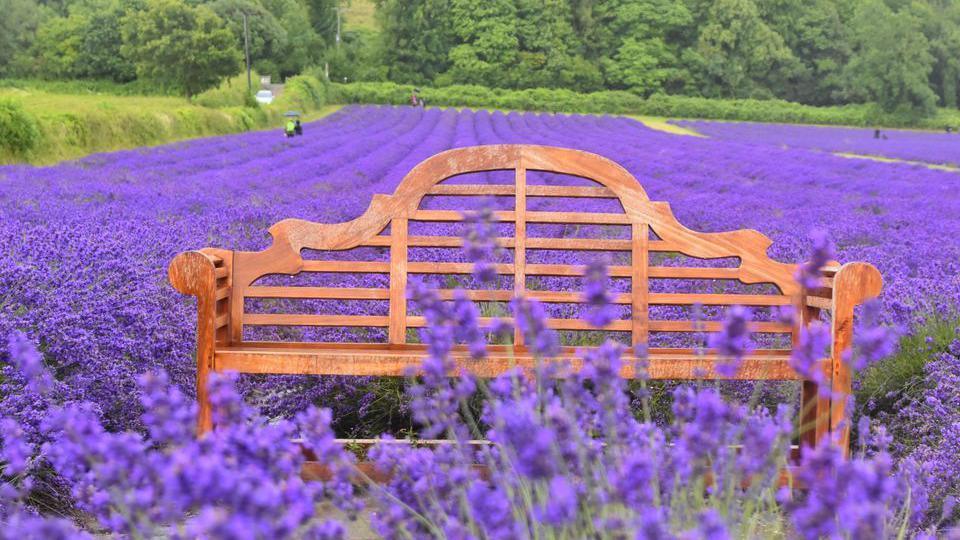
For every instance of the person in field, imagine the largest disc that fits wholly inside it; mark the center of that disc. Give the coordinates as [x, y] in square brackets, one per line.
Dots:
[297, 128]
[290, 128]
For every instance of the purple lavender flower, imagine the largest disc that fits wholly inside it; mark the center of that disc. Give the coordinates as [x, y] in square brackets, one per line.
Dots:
[29, 362]
[600, 311]
[168, 415]
[531, 319]
[517, 427]
[480, 243]
[733, 342]
[808, 273]
[811, 347]
[872, 342]
[560, 508]
[712, 526]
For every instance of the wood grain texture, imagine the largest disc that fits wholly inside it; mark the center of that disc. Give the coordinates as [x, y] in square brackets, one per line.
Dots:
[398, 281]
[194, 273]
[854, 284]
[520, 241]
[639, 284]
[391, 362]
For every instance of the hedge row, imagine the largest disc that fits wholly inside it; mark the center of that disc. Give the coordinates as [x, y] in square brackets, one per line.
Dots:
[615, 102]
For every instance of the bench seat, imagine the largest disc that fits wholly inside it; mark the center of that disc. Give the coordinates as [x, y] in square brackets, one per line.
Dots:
[387, 360]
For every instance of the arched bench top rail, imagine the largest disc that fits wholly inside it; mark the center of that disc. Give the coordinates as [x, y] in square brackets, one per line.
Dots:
[292, 235]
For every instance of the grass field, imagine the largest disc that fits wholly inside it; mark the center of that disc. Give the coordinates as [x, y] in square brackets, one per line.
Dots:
[359, 15]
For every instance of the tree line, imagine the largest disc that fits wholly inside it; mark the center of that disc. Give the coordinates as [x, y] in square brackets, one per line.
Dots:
[183, 45]
[901, 54]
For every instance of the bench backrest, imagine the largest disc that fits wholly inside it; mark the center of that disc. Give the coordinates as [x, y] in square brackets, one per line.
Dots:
[649, 249]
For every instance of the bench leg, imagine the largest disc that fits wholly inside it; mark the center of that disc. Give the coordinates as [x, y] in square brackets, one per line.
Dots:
[853, 284]
[814, 406]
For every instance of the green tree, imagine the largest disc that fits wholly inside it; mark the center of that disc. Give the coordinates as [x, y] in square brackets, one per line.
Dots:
[940, 23]
[17, 27]
[84, 45]
[815, 33]
[891, 62]
[547, 46]
[737, 53]
[635, 42]
[180, 46]
[268, 40]
[303, 46]
[416, 39]
[487, 42]
[323, 19]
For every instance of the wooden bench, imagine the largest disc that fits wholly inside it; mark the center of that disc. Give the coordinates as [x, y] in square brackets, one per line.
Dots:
[223, 280]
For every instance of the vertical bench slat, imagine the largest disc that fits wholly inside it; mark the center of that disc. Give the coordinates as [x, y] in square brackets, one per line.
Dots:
[398, 280]
[520, 241]
[639, 287]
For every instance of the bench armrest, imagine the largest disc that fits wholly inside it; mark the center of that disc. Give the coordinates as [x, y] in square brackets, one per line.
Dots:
[853, 284]
[207, 275]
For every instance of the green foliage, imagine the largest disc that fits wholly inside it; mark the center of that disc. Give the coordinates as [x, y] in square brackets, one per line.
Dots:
[85, 44]
[18, 129]
[323, 19]
[737, 51]
[302, 46]
[48, 127]
[88, 86]
[268, 38]
[416, 39]
[891, 61]
[620, 102]
[232, 92]
[181, 46]
[17, 27]
[883, 384]
[302, 93]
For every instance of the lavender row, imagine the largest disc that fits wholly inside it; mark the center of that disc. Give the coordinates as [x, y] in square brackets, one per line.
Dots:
[928, 147]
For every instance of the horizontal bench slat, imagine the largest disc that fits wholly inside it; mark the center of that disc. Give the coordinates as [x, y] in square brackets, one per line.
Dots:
[289, 319]
[386, 362]
[587, 244]
[472, 189]
[716, 326]
[347, 266]
[318, 292]
[455, 215]
[588, 218]
[452, 268]
[718, 299]
[570, 191]
[506, 296]
[221, 293]
[220, 272]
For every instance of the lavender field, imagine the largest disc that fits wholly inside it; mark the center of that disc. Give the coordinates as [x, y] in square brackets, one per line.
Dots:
[85, 247]
[86, 243]
[922, 146]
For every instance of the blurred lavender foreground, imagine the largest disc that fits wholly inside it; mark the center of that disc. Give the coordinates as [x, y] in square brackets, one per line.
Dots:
[567, 459]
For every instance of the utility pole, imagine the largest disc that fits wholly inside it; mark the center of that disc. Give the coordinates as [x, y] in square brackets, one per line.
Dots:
[338, 9]
[246, 50]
